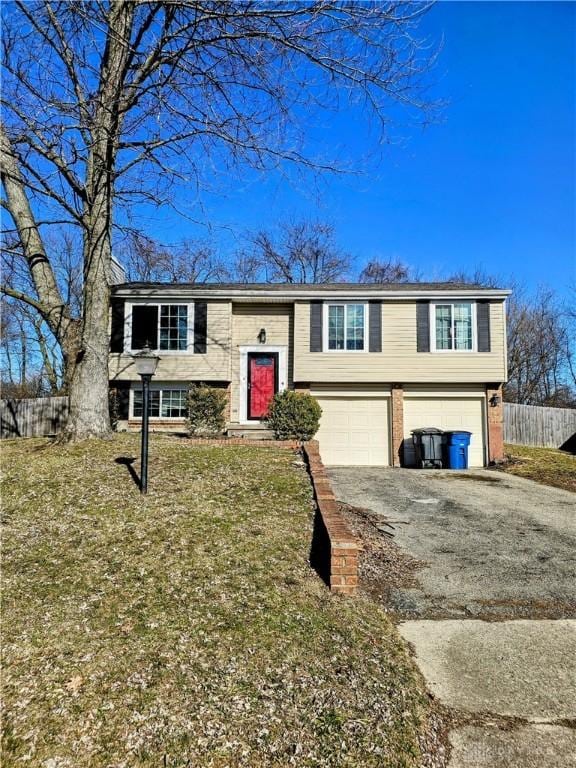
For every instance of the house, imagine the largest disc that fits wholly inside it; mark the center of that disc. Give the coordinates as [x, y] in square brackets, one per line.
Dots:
[382, 360]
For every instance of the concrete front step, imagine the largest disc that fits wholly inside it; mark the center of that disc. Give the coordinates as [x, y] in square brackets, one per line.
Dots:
[249, 431]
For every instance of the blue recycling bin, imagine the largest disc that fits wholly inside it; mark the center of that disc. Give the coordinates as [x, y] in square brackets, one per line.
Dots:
[456, 448]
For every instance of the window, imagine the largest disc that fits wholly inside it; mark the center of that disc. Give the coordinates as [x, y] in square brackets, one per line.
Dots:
[162, 326]
[453, 326]
[164, 403]
[345, 324]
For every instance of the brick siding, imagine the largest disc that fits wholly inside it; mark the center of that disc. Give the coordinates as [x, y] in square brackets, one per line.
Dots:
[495, 424]
[397, 402]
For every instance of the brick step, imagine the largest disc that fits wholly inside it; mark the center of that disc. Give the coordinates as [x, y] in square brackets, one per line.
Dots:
[249, 431]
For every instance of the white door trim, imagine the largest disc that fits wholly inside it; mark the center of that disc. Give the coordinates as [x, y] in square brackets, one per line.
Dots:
[243, 384]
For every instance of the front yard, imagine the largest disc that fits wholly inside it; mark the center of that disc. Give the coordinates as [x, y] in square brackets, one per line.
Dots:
[544, 465]
[186, 628]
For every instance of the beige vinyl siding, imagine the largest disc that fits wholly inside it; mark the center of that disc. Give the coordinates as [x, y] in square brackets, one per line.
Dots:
[247, 321]
[214, 365]
[399, 361]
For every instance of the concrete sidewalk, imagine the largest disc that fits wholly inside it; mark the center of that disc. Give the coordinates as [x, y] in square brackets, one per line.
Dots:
[515, 679]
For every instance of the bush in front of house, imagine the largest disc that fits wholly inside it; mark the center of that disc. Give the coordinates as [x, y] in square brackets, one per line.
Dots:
[206, 410]
[294, 415]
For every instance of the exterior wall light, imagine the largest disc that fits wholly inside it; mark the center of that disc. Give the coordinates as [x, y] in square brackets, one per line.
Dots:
[262, 336]
[495, 400]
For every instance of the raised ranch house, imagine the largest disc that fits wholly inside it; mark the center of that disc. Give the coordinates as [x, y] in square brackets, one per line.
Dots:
[382, 360]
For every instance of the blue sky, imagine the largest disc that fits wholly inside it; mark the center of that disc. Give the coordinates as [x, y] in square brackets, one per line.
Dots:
[491, 184]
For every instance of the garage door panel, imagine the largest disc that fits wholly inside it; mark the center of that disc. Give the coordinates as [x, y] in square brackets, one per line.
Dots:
[446, 414]
[354, 431]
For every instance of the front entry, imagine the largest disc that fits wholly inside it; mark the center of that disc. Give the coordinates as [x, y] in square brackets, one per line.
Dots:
[262, 382]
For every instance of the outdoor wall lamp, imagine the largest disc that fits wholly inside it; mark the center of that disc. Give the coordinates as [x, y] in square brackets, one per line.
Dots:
[262, 336]
[146, 363]
[495, 400]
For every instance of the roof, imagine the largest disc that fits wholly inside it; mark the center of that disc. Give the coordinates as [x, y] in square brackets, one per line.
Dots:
[308, 290]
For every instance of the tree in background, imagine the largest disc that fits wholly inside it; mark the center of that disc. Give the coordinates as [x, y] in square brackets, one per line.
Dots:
[300, 252]
[133, 98]
[188, 261]
[540, 351]
[541, 343]
[387, 271]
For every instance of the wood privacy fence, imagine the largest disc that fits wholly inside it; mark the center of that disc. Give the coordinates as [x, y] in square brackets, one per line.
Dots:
[33, 417]
[535, 425]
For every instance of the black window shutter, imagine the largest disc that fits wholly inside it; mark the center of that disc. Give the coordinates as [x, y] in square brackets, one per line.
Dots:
[117, 326]
[144, 326]
[423, 326]
[200, 327]
[375, 326]
[483, 322]
[315, 326]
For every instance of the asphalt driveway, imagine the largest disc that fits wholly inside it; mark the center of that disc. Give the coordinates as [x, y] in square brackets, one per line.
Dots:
[495, 546]
[491, 615]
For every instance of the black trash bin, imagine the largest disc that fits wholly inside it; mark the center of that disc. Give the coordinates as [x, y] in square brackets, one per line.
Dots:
[428, 446]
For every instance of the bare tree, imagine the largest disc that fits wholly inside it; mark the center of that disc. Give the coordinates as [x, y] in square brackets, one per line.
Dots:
[300, 252]
[132, 97]
[388, 271]
[187, 262]
[539, 345]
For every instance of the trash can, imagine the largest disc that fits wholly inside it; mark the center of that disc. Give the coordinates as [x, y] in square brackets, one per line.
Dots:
[428, 446]
[456, 449]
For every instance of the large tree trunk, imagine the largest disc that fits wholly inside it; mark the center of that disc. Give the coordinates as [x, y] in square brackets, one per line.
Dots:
[89, 413]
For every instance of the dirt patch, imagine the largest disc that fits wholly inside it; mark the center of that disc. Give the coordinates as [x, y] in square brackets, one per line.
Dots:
[477, 478]
[383, 566]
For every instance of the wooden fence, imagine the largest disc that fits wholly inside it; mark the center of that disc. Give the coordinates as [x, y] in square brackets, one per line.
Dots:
[34, 417]
[535, 425]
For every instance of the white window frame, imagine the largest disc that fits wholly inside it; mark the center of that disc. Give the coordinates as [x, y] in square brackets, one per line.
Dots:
[432, 323]
[325, 310]
[161, 303]
[156, 387]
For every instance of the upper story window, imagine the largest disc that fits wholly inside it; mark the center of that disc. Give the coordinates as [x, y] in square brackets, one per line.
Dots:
[453, 326]
[163, 326]
[346, 327]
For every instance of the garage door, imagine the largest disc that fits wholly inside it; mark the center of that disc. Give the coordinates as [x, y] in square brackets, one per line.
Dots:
[354, 430]
[448, 413]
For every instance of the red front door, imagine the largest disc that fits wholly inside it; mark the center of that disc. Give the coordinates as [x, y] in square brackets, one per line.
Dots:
[262, 382]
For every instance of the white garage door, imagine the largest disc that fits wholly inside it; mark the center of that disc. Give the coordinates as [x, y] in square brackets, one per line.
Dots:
[354, 430]
[449, 413]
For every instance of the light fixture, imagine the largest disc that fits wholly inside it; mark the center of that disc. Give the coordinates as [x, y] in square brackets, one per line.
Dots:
[495, 400]
[262, 336]
[146, 363]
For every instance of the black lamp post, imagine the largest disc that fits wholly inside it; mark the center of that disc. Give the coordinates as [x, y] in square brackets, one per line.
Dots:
[146, 362]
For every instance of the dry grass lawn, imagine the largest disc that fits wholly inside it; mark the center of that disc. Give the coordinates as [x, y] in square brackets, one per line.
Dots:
[186, 628]
[544, 465]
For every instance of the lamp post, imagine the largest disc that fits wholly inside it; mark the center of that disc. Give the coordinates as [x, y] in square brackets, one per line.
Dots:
[146, 362]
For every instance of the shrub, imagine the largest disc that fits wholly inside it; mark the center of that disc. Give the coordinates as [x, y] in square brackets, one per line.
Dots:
[294, 415]
[206, 409]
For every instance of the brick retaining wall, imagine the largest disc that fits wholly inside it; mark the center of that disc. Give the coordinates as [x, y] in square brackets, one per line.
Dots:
[344, 546]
